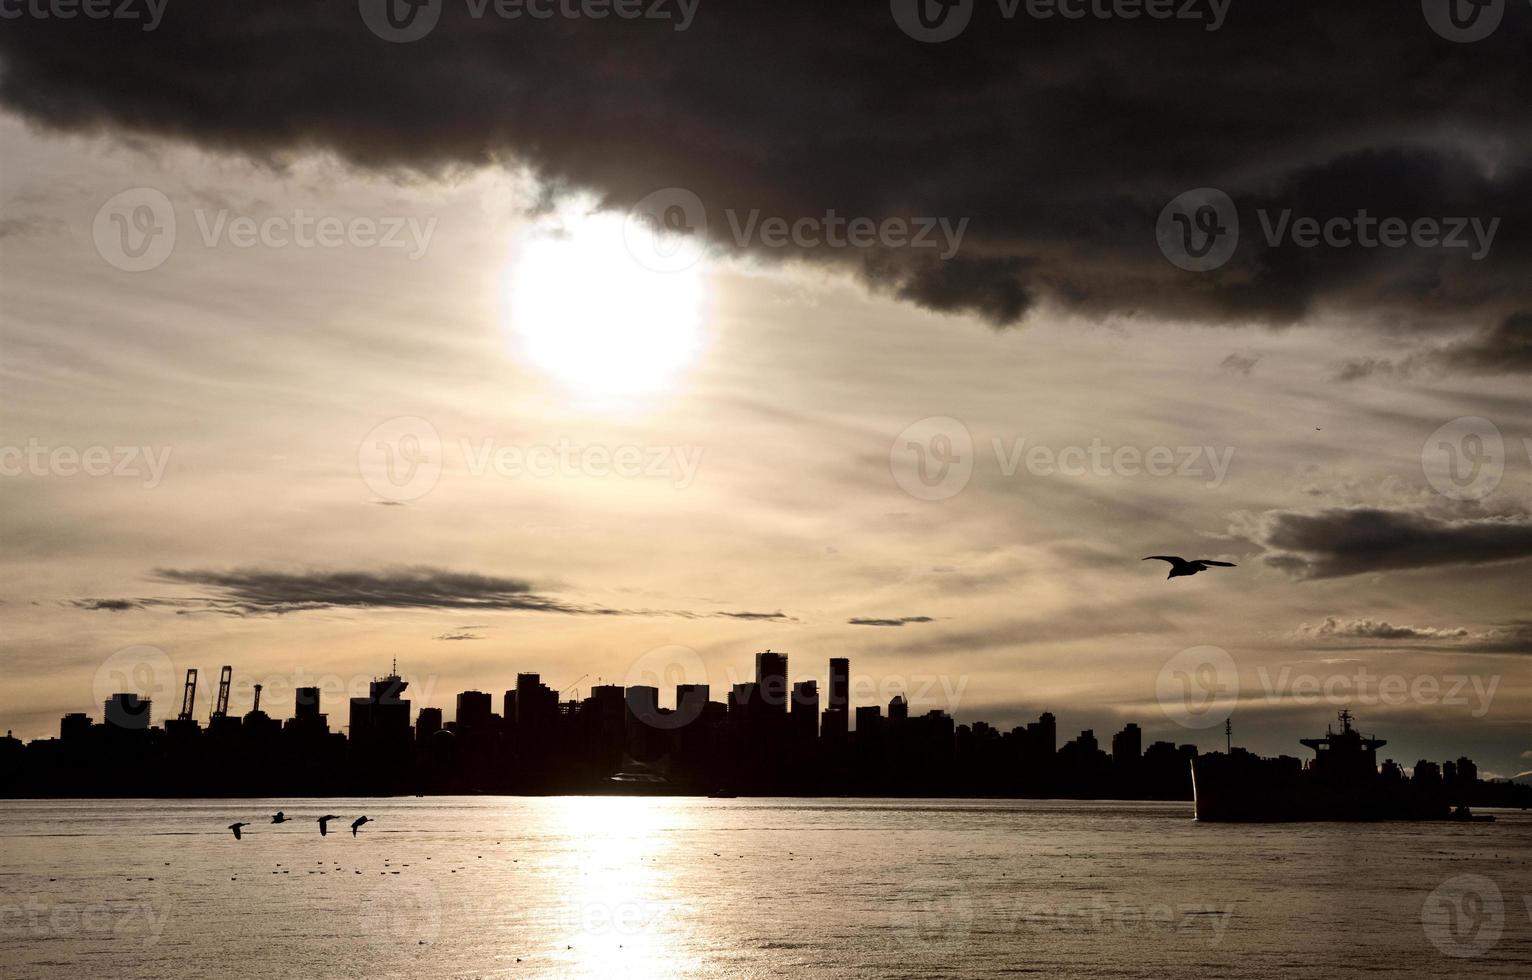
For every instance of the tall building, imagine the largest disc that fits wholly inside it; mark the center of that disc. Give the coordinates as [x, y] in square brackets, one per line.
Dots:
[533, 707]
[771, 676]
[473, 711]
[691, 702]
[1044, 735]
[73, 726]
[306, 706]
[839, 695]
[427, 723]
[644, 705]
[898, 710]
[869, 720]
[805, 713]
[383, 716]
[127, 711]
[1128, 745]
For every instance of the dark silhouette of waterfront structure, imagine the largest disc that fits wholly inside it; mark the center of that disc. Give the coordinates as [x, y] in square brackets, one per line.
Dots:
[768, 736]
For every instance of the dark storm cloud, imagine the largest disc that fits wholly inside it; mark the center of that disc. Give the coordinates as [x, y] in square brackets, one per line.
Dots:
[1351, 541]
[1060, 139]
[1505, 348]
[243, 592]
[900, 621]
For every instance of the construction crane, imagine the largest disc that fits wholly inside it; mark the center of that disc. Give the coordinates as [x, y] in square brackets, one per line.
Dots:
[221, 707]
[188, 698]
[571, 686]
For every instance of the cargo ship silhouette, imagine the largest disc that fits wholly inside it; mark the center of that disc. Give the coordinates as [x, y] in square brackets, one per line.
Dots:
[1341, 782]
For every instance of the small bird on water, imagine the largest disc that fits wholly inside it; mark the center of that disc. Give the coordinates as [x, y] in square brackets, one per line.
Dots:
[357, 825]
[235, 827]
[324, 823]
[1180, 566]
[279, 818]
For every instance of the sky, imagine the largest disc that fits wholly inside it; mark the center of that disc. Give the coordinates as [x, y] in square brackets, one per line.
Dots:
[617, 349]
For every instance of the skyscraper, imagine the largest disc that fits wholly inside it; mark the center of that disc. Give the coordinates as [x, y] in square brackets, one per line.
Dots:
[771, 675]
[1128, 745]
[428, 723]
[839, 695]
[306, 708]
[805, 713]
[473, 711]
[691, 701]
[383, 716]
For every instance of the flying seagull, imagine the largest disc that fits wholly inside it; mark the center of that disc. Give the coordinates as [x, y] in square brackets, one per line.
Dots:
[357, 825]
[235, 827]
[279, 818]
[324, 823]
[1180, 566]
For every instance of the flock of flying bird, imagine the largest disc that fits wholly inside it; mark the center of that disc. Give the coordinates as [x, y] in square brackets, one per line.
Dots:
[324, 824]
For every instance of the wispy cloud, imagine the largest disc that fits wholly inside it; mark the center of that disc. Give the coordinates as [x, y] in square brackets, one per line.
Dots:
[898, 621]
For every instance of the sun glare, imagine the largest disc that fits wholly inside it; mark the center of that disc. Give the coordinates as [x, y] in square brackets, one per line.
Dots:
[584, 305]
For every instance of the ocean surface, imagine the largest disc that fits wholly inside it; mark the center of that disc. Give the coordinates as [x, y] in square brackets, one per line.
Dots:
[604, 887]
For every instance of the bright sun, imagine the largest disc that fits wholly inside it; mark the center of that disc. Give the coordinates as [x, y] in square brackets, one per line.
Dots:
[587, 309]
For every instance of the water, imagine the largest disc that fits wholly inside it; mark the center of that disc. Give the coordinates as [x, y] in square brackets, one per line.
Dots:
[598, 887]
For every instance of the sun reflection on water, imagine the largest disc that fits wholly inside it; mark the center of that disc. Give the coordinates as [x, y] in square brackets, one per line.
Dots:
[616, 903]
